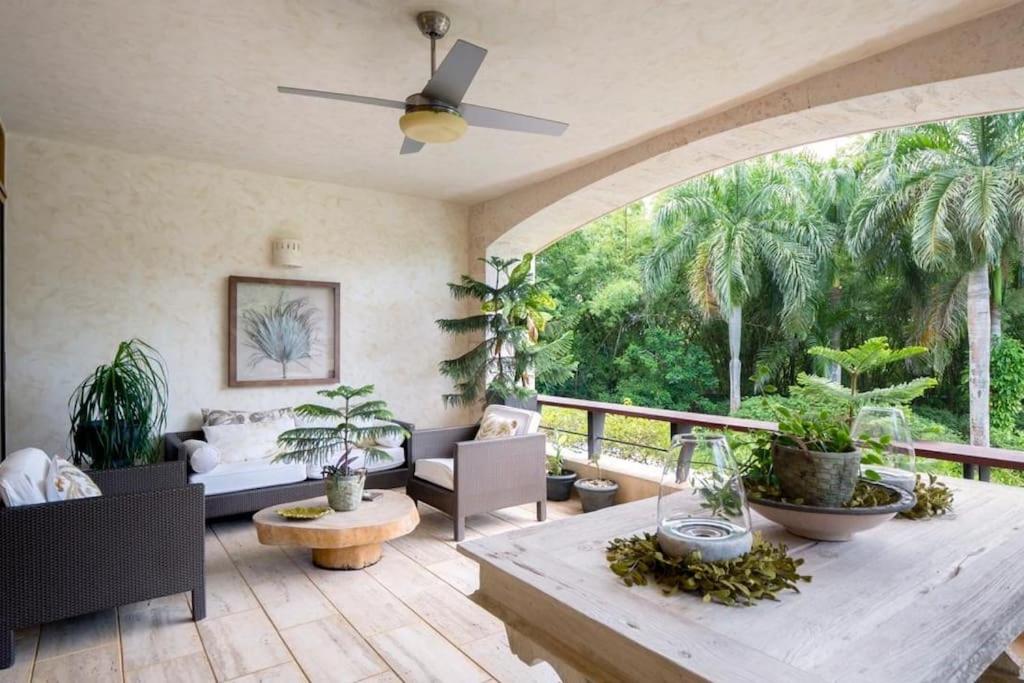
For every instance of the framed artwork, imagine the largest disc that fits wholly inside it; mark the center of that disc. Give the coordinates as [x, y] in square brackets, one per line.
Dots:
[282, 332]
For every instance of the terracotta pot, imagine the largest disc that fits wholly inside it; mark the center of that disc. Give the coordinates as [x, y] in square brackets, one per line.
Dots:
[345, 493]
[816, 478]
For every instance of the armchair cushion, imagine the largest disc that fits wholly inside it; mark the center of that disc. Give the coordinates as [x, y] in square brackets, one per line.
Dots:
[440, 471]
[496, 427]
[64, 481]
[23, 477]
[527, 421]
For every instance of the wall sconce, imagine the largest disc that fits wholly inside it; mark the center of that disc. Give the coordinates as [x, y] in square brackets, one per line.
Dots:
[286, 252]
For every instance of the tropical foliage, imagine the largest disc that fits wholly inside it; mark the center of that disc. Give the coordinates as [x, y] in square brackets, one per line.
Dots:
[118, 412]
[513, 313]
[283, 332]
[335, 432]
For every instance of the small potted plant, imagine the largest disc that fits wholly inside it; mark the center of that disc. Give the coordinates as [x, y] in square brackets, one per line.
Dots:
[815, 459]
[560, 480]
[350, 424]
[596, 493]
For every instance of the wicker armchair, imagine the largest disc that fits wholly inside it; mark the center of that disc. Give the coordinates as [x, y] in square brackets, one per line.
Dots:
[142, 539]
[488, 475]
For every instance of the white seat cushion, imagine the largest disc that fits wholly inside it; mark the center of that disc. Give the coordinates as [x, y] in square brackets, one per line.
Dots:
[527, 421]
[251, 474]
[395, 458]
[440, 471]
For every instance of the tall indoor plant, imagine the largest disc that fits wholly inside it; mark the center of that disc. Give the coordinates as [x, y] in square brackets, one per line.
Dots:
[118, 412]
[513, 312]
[333, 436]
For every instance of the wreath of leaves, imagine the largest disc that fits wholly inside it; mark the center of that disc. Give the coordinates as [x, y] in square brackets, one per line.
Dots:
[759, 574]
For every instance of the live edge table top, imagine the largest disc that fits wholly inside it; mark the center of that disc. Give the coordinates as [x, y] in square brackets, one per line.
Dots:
[933, 600]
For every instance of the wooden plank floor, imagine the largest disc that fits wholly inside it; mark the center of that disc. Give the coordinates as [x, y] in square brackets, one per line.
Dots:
[272, 616]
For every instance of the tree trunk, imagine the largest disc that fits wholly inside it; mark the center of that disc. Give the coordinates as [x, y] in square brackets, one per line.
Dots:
[835, 371]
[979, 340]
[997, 303]
[735, 328]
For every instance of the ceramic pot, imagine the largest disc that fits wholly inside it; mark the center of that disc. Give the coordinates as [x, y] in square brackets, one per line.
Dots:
[816, 478]
[560, 485]
[594, 497]
[345, 493]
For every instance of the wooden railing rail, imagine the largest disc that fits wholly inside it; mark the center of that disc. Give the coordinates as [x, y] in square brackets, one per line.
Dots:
[975, 459]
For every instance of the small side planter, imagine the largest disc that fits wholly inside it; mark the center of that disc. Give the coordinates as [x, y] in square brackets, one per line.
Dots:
[560, 485]
[596, 494]
[814, 477]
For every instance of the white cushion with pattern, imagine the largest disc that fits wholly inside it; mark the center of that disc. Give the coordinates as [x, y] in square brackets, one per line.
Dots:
[527, 421]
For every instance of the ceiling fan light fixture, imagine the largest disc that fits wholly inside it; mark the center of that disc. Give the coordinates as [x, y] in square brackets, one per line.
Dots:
[433, 126]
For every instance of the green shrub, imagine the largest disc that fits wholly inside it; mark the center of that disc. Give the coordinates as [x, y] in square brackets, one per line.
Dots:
[665, 370]
[1007, 390]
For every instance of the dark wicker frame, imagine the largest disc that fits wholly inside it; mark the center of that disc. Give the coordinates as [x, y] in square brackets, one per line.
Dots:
[253, 500]
[142, 539]
[489, 475]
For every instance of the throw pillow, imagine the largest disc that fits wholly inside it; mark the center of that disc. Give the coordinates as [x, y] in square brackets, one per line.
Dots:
[249, 441]
[64, 481]
[494, 427]
[238, 417]
[23, 477]
[204, 458]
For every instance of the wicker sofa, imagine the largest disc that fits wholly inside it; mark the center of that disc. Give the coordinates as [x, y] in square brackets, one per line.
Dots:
[142, 539]
[251, 500]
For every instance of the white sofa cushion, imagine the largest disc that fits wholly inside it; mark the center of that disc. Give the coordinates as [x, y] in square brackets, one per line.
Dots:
[527, 421]
[23, 477]
[204, 458]
[237, 417]
[247, 441]
[64, 481]
[440, 471]
[395, 458]
[251, 474]
[496, 427]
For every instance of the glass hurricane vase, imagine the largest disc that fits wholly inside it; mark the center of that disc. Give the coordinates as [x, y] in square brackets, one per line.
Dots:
[884, 436]
[702, 506]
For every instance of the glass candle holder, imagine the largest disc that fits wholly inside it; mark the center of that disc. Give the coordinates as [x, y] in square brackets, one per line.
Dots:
[885, 431]
[702, 506]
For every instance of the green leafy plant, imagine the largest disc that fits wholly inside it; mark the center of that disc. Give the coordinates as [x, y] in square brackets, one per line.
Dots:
[119, 410]
[872, 355]
[821, 432]
[933, 499]
[514, 311]
[759, 574]
[353, 423]
[1007, 391]
[283, 332]
[555, 463]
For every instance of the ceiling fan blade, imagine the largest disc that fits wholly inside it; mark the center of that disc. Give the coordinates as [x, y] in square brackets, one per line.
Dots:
[485, 117]
[376, 101]
[451, 80]
[410, 146]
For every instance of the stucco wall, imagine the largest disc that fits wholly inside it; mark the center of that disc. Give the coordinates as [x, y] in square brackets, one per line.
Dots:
[104, 246]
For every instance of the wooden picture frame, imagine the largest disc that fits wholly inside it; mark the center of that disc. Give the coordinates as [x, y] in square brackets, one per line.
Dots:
[291, 327]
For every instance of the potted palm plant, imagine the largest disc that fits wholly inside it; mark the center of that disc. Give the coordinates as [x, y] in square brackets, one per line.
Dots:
[559, 480]
[335, 434]
[118, 412]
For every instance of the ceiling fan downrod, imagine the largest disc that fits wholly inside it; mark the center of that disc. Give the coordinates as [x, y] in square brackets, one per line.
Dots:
[434, 25]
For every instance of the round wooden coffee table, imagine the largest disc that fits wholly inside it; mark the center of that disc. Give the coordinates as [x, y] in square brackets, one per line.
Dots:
[341, 540]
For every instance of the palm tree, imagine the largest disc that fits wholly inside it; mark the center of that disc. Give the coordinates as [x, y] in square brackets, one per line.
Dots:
[727, 233]
[957, 189]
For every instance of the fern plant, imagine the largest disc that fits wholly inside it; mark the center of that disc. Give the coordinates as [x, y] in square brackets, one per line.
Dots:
[874, 354]
[513, 313]
[351, 423]
[119, 410]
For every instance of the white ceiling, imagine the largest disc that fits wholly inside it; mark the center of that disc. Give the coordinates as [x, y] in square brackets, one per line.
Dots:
[196, 79]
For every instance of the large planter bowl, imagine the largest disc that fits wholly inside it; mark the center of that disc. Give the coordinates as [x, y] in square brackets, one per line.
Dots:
[816, 478]
[560, 485]
[832, 523]
[593, 497]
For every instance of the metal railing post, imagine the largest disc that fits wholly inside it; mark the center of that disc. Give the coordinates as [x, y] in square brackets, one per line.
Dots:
[595, 433]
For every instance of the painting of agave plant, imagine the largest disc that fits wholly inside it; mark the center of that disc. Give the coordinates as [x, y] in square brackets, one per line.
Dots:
[282, 332]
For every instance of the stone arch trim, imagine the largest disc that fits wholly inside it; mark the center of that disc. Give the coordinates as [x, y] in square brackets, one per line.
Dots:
[973, 68]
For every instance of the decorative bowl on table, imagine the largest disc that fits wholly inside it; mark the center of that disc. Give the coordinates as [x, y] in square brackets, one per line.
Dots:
[833, 523]
[299, 514]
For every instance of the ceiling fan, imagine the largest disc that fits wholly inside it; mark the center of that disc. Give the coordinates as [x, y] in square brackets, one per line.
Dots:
[438, 114]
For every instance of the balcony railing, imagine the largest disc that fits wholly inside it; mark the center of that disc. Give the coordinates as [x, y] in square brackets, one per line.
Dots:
[976, 460]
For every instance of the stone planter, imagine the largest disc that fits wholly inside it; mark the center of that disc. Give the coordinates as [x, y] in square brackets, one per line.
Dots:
[595, 496]
[345, 493]
[560, 485]
[816, 478]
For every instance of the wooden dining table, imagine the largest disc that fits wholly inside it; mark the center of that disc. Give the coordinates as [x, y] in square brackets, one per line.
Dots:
[931, 600]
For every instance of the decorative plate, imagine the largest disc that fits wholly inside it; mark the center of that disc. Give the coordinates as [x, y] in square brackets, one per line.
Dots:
[302, 513]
